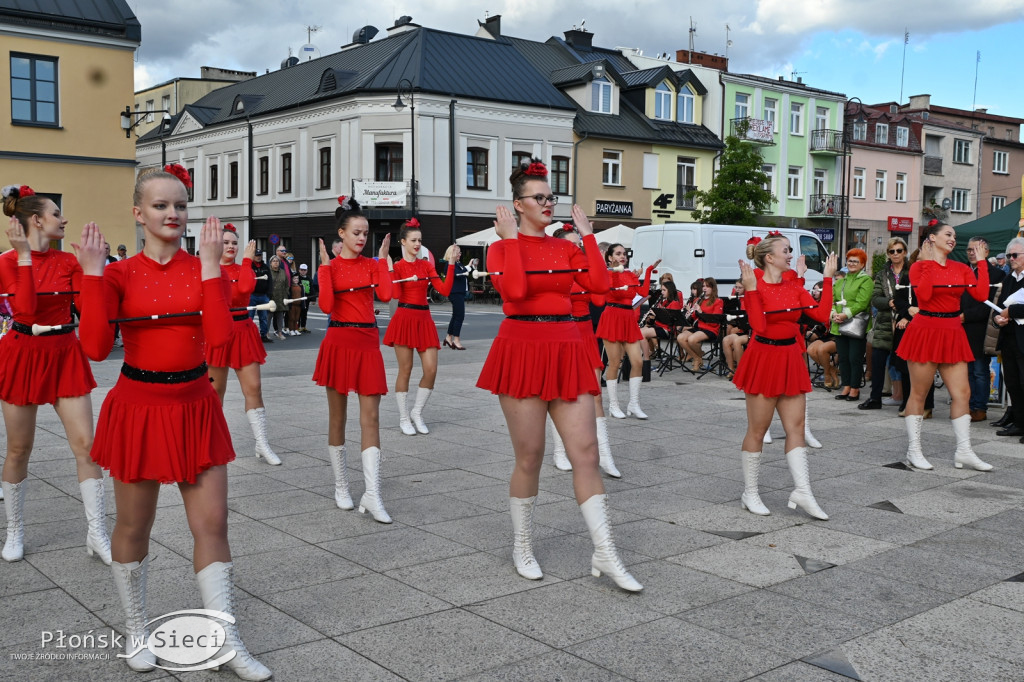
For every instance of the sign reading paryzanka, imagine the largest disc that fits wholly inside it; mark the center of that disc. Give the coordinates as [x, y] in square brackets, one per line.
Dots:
[623, 208]
[369, 193]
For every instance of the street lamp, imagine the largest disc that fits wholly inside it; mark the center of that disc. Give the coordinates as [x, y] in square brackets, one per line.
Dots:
[165, 126]
[128, 125]
[405, 88]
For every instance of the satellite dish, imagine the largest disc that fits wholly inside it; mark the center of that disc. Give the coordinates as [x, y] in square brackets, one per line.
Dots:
[289, 62]
[309, 51]
[365, 34]
[946, 204]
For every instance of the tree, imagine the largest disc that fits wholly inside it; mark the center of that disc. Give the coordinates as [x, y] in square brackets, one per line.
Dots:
[738, 195]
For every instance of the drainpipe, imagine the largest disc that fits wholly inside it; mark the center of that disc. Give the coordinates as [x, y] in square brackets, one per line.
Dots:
[451, 162]
[248, 123]
[575, 163]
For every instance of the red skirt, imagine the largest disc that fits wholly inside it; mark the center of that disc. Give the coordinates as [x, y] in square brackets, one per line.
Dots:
[244, 348]
[37, 370]
[350, 361]
[619, 325]
[161, 432]
[543, 360]
[413, 329]
[590, 344]
[935, 339]
[772, 371]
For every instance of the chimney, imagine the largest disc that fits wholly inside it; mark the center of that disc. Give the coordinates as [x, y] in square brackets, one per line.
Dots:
[579, 38]
[710, 61]
[492, 25]
[920, 102]
[402, 24]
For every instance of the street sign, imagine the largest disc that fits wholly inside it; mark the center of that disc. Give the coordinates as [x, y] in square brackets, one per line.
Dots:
[825, 234]
[274, 239]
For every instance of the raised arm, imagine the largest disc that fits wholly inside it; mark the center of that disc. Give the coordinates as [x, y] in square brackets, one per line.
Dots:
[444, 287]
[20, 280]
[100, 295]
[980, 292]
[383, 278]
[507, 259]
[216, 287]
[325, 296]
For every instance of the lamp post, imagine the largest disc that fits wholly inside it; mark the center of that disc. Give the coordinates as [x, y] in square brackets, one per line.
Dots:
[405, 88]
[165, 126]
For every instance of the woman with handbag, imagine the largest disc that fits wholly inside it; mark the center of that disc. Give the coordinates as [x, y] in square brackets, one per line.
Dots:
[850, 319]
[883, 300]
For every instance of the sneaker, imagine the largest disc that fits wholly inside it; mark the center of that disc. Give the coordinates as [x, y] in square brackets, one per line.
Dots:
[889, 402]
[303, 331]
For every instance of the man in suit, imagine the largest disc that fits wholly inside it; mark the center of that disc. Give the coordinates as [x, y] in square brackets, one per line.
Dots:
[975, 315]
[1011, 337]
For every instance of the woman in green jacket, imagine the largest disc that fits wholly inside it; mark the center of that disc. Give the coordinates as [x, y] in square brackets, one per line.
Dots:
[851, 296]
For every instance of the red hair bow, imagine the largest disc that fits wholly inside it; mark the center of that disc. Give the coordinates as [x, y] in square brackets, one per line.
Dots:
[412, 222]
[537, 169]
[341, 199]
[179, 171]
[774, 233]
[230, 227]
[933, 222]
[753, 241]
[25, 191]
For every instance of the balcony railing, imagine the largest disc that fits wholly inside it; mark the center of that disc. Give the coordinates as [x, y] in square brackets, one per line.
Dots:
[825, 141]
[933, 165]
[827, 206]
[682, 201]
[756, 130]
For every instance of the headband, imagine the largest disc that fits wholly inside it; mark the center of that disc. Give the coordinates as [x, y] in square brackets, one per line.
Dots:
[179, 171]
[536, 169]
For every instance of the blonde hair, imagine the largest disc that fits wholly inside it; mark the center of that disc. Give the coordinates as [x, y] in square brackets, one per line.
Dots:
[145, 177]
[450, 253]
[757, 252]
[893, 241]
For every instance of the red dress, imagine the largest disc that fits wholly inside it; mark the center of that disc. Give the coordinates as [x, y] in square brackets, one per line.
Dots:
[245, 346]
[581, 300]
[618, 320]
[155, 430]
[37, 370]
[774, 370]
[940, 339]
[674, 305]
[349, 358]
[533, 358]
[414, 327]
[709, 308]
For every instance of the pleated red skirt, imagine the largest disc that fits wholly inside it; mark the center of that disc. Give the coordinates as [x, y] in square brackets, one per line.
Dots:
[413, 329]
[244, 348]
[772, 371]
[37, 370]
[935, 339]
[350, 361]
[543, 360]
[618, 324]
[161, 432]
[590, 344]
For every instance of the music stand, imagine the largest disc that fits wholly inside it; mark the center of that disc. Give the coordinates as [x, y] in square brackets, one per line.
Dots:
[674, 320]
[718, 366]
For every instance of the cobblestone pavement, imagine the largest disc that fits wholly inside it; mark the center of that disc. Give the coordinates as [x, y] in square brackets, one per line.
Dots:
[916, 576]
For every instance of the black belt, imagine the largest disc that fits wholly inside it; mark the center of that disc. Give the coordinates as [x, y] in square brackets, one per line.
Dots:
[624, 306]
[774, 342]
[932, 313]
[240, 318]
[360, 325]
[540, 318]
[151, 377]
[413, 306]
[581, 318]
[27, 330]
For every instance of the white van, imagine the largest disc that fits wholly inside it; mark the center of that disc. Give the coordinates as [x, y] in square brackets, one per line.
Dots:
[692, 251]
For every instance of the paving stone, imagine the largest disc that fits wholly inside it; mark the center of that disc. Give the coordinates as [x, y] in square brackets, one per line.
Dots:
[756, 565]
[1009, 595]
[799, 671]
[557, 665]
[947, 573]
[815, 541]
[468, 579]
[395, 549]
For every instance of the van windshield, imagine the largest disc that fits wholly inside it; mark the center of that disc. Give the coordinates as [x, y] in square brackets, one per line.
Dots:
[813, 254]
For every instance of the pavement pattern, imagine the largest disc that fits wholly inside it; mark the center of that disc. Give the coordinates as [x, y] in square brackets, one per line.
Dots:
[916, 576]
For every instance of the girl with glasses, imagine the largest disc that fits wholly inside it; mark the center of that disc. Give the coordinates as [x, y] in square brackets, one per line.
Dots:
[852, 296]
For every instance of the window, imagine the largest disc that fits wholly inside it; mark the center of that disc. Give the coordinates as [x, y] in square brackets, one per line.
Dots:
[388, 165]
[796, 119]
[192, 185]
[165, 103]
[663, 103]
[264, 175]
[860, 131]
[998, 203]
[233, 180]
[881, 179]
[771, 108]
[793, 182]
[881, 133]
[901, 187]
[286, 173]
[686, 174]
[519, 158]
[814, 255]
[560, 175]
[820, 180]
[961, 151]
[858, 183]
[611, 168]
[33, 89]
[902, 136]
[1000, 162]
[476, 168]
[769, 170]
[961, 201]
[821, 118]
[149, 110]
[601, 96]
[742, 105]
[214, 181]
[325, 167]
[684, 106]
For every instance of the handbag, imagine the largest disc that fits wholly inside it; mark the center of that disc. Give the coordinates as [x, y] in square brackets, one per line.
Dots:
[856, 327]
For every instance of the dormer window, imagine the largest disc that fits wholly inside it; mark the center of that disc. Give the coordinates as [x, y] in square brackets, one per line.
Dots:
[684, 106]
[601, 96]
[663, 103]
[860, 131]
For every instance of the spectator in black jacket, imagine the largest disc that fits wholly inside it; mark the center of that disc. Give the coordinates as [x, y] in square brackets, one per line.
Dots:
[1011, 337]
[975, 317]
[261, 294]
[309, 290]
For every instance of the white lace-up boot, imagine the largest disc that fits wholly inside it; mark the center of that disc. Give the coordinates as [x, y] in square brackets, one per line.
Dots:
[522, 534]
[604, 449]
[633, 407]
[914, 454]
[606, 558]
[751, 497]
[371, 500]
[422, 396]
[802, 496]
[341, 495]
[404, 422]
[808, 436]
[14, 504]
[258, 421]
[97, 542]
[130, 580]
[218, 592]
[613, 398]
[558, 453]
[964, 453]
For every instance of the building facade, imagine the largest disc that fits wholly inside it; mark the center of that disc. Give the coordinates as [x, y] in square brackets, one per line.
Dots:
[172, 96]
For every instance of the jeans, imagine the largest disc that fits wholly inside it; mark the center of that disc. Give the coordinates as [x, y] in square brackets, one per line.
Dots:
[458, 302]
[879, 356]
[257, 299]
[978, 374]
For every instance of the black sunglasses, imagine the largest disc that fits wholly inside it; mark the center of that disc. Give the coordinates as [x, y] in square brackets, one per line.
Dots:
[892, 251]
[1013, 255]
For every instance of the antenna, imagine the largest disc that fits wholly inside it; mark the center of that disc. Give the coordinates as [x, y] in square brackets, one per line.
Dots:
[310, 30]
[794, 74]
[693, 34]
[903, 68]
[728, 43]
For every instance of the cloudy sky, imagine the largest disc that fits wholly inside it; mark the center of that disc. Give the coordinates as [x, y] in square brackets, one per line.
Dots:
[850, 46]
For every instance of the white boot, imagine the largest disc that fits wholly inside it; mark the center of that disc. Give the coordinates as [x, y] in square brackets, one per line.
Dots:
[561, 461]
[218, 592]
[605, 450]
[751, 497]
[914, 454]
[964, 453]
[14, 503]
[613, 398]
[606, 557]
[802, 496]
[97, 541]
[422, 396]
[633, 407]
[258, 421]
[130, 580]
[371, 500]
[403, 414]
[341, 496]
[808, 436]
[522, 538]
[767, 439]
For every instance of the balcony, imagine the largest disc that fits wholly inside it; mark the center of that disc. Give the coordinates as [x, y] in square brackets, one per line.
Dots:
[933, 165]
[827, 142]
[684, 203]
[827, 206]
[754, 130]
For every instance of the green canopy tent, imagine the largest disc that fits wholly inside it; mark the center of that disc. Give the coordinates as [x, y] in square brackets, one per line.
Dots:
[997, 228]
